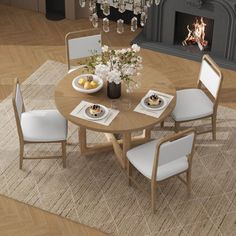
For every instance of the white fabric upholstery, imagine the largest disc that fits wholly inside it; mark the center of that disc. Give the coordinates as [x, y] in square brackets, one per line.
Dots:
[84, 46]
[209, 78]
[191, 104]
[43, 126]
[172, 159]
[171, 151]
[19, 101]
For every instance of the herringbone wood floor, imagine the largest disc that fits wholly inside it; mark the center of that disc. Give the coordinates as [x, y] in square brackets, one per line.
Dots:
[27, 40]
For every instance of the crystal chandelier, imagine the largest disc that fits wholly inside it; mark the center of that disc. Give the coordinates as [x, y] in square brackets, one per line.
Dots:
[138, 7]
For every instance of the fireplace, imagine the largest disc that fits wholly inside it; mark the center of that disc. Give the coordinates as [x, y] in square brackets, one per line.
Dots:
[191, 28]
[193, 32]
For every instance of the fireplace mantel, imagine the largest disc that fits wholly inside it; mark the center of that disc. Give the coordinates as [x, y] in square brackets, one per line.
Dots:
[195, 3]
[158, 33]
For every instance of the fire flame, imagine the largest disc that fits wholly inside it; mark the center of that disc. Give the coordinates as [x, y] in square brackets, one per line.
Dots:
[197, 34]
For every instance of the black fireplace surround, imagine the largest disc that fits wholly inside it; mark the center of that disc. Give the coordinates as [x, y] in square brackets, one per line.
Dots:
[159, 33]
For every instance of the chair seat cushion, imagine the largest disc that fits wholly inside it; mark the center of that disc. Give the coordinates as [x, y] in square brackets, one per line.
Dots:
[43, 126]
[142, 158]
[191, 104]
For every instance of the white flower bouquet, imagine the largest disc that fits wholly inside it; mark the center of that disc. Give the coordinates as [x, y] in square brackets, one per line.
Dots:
[118, 65]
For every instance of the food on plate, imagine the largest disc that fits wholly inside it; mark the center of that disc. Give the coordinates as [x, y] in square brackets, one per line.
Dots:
[95, 110]
[154, 100]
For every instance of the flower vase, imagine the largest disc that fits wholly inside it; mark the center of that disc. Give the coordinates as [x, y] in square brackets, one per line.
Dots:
[113, 90]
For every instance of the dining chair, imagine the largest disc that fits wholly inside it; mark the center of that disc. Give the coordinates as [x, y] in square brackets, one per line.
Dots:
[82, 44]
[38, 126]
[201, 102]
[159, 160]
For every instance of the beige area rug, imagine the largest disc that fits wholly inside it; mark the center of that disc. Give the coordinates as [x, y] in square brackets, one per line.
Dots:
[93, 190]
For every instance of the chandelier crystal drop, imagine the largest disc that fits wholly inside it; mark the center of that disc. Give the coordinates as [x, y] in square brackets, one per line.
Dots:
[115, 3]
[106, 25]
[120, 26]
[82, 3]
[134, 24]
[106, 9]
[143, 16]
[121, 6]
[149, 3]
[157, 2]
[139, 9]
[102, 4]
[95, 20]
[92, 3]
[92, 10]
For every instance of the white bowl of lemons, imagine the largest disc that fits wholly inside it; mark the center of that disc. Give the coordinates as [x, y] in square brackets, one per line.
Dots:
[87, 83]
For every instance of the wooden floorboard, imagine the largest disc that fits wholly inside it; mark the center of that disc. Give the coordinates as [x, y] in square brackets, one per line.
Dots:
[27, 40]
[23, 220]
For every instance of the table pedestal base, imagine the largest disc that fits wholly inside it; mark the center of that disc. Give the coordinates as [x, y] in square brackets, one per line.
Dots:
[120, 147]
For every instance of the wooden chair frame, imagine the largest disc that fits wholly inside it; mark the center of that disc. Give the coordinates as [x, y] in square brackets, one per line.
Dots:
[169, 138]
[21, 137]
[215, 100]
[77, 34]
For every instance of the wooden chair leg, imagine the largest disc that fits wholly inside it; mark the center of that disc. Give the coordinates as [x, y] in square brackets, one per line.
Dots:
[177, 126]
[63, 147]
[21, 155]
[213, 120]
[153, 195]
[129, 170]
[189, 183]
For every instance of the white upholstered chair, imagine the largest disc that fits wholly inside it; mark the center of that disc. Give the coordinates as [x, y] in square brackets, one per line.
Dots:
[38, 126]
[195, 103]
[82, 44]
[161, 159]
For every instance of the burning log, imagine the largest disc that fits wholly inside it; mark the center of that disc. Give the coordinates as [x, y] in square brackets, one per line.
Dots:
[196, 35]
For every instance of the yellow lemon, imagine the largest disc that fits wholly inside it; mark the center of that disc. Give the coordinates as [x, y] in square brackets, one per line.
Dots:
[94, 84]
[87, 85]
[81, 81]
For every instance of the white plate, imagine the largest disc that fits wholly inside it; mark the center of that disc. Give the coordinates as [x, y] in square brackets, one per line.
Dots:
[81, 89]
[106, 112]
[152, 108]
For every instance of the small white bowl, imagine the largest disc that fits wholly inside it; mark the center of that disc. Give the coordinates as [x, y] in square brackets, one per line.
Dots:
[81, 89]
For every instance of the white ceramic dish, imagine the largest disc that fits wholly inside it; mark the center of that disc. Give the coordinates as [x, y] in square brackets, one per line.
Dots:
[90, 117]
[154, 108]
[81, 89]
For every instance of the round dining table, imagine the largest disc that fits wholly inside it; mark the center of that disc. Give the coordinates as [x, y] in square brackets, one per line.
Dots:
[125, 123]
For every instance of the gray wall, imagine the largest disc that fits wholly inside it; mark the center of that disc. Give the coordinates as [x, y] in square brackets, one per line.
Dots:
[73, 10]
[26, 4]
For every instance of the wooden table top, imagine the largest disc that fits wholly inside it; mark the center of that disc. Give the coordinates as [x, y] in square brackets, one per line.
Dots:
[66, 99]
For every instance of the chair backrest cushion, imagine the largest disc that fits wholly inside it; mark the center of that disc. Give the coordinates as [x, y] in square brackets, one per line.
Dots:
[171, 151]
[19, 101]
[210, 78]
[84, 46]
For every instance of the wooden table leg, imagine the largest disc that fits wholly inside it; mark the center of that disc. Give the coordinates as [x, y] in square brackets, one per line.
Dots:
[116, 148]
[126, 146]
[147, 134]
[82, 140]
